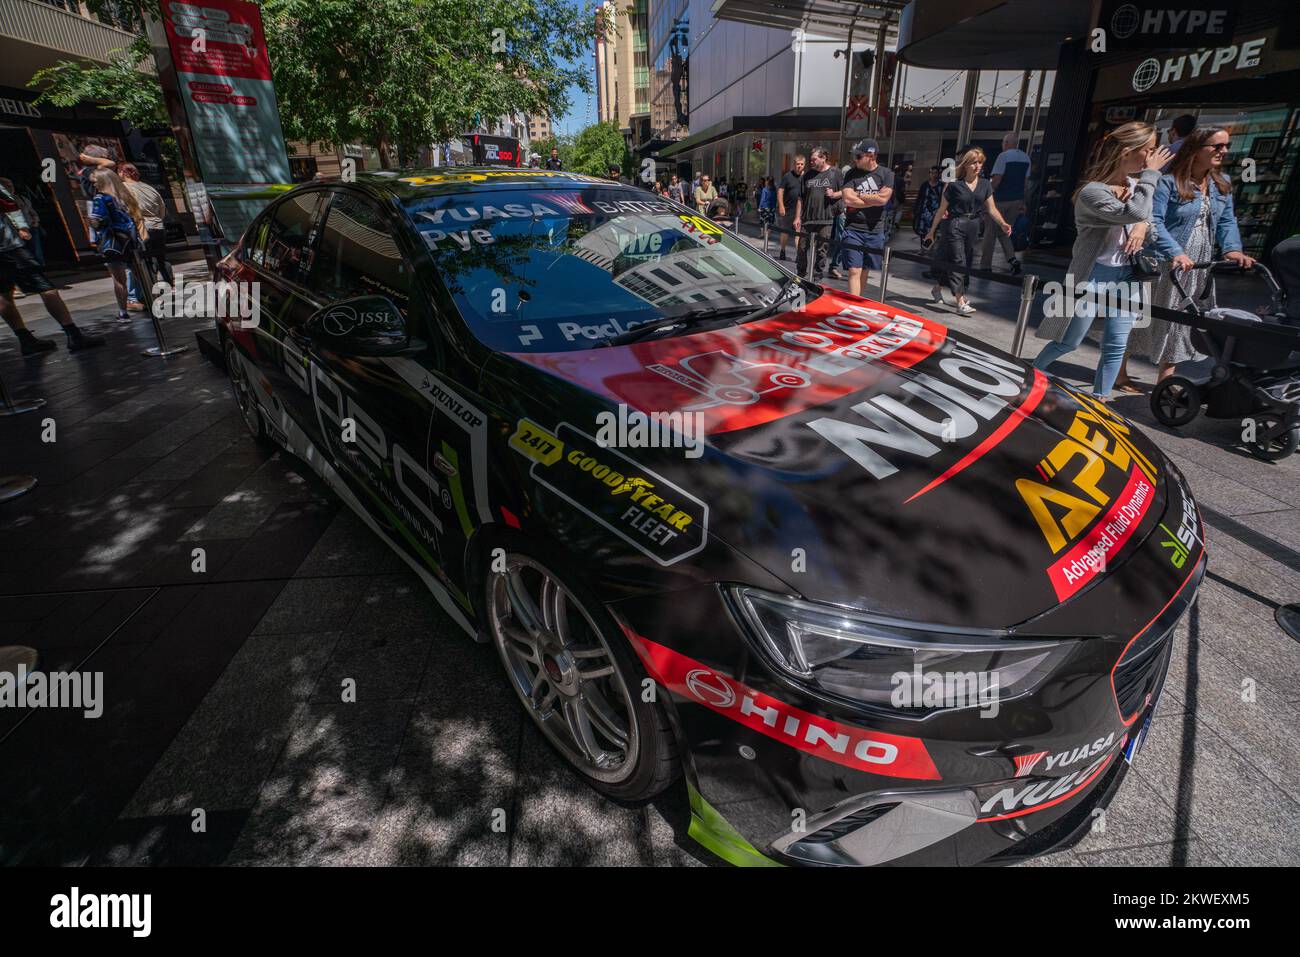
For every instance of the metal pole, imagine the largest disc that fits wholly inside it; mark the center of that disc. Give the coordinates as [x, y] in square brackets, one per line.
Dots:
[16, 408]
[1020, 107]
[884, 273]
[900, 78]
[1027, 286]
[844, 101]
[146, 289]
[1038, 106]
[880, 75]
[967, 122]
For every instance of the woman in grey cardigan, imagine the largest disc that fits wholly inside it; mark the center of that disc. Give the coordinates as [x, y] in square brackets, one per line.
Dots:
[1111, 215]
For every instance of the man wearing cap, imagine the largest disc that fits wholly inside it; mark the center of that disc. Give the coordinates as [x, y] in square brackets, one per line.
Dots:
[868, 187]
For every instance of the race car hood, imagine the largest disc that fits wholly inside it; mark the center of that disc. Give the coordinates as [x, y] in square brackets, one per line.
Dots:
[874, 458]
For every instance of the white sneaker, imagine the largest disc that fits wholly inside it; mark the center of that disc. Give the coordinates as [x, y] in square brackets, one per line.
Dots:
[936, 296]
[966, 309]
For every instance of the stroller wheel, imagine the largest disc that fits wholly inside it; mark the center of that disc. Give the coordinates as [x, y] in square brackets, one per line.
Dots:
[1176, 401]
[1272, 440]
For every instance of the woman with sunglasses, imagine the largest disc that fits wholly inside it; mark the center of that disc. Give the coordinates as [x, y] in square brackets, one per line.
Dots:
[1192, 213]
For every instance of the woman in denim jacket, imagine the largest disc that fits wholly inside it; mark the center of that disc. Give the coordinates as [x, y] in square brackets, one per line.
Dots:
[1192, 213]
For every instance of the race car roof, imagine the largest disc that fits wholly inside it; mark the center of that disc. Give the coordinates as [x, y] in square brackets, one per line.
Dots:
[408, 184]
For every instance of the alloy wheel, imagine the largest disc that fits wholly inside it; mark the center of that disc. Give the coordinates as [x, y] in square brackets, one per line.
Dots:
[562, 669]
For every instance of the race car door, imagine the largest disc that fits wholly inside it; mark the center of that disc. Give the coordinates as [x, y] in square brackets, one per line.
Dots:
[374, 415]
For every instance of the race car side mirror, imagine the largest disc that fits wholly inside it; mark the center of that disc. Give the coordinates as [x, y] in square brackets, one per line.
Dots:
[364, 326]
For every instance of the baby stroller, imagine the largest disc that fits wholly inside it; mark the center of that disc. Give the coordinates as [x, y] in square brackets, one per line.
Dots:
[1256, 375]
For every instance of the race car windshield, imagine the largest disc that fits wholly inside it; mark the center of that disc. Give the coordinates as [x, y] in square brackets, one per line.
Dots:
[564, 270]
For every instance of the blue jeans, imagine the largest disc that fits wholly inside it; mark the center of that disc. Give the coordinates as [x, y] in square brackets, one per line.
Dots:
[1114, 337]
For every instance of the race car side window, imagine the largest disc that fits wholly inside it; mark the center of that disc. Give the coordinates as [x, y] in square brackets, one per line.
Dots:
[358, 255]
[287, 249]
[254, 247]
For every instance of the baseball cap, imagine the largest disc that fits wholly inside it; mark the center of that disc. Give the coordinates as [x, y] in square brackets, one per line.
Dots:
[867, 146]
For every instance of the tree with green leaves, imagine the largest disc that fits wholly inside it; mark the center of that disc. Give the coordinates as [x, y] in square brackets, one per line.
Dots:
[597, 148]
[391, 73]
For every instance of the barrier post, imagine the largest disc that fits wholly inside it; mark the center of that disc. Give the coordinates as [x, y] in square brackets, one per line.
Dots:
[145, 278]
[1027, 287]
[884, 273]
[10, 407]
[11, 486]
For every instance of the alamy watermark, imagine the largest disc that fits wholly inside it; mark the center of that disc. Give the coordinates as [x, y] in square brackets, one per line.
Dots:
[56, 689]
[1098, 299]
[222, 299]
[632, 429]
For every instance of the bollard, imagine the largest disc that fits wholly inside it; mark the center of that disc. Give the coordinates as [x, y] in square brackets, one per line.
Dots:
[146, 290]
[884, 274]
[10, 407]
[1027, 287]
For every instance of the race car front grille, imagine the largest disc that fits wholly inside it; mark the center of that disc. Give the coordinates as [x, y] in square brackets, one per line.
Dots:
[836, 830]
[1141, 670]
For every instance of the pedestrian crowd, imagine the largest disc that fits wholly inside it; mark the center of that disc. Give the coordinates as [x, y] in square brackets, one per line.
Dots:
[1144, 213]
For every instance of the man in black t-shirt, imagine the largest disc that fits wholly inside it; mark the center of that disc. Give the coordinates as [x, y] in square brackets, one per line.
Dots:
[816, 210]
[867, 190]
[787, 199]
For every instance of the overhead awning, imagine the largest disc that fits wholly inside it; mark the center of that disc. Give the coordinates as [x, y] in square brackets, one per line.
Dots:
[828, 18]
[990, 34]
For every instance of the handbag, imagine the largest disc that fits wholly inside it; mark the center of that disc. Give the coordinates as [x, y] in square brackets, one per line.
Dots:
[1144, 262]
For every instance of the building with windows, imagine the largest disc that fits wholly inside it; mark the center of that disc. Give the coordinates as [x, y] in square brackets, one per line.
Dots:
[623, 68]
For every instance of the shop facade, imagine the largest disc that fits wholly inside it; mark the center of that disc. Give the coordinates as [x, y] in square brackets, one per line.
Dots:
[1249, 86]
[39, 145]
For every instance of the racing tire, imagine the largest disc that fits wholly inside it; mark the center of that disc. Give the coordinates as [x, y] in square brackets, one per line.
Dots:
[242, 390]
[1276, 448]
[573, 670]
[1176, 401]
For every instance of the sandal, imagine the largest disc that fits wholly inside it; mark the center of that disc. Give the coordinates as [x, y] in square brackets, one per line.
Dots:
[1129, 388]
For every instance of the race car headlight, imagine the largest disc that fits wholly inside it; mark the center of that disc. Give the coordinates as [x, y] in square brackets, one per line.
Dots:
[890, 663]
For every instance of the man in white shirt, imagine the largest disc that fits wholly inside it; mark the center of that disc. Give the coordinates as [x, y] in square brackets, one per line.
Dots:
[1010, 172]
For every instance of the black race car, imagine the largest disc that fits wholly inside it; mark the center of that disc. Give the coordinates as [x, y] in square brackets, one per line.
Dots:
[881, 592]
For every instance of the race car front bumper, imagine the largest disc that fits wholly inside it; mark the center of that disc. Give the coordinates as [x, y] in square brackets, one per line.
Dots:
[961, 791]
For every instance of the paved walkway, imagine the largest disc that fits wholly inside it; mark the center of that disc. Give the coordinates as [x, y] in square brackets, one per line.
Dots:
[224, 686]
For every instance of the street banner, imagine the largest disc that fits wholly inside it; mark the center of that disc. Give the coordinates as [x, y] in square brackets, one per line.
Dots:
[215, 70]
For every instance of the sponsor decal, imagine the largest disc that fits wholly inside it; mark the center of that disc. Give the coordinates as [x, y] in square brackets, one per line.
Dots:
[532, 440]
[1039, 794]
[1072, 756]
[1087, 559]
[1182, 541]
[725, 379]
[873, 752]
[660, 520]
[1025, 763]
[969, 387]
[1074, 500]
[760, 372]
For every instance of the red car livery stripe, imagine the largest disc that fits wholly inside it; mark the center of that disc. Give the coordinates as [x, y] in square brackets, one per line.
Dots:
[1018, 415]
[744, 376]
[873, 752]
